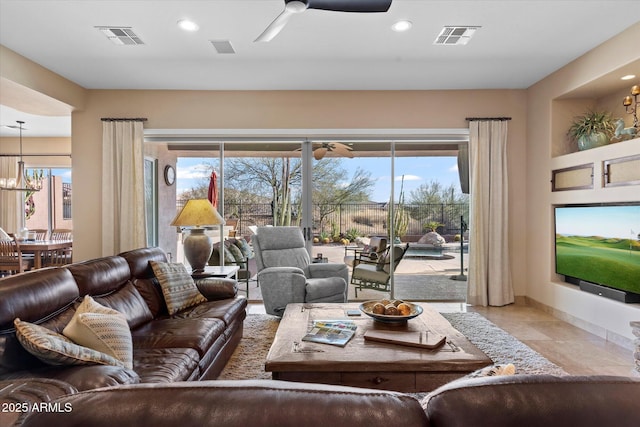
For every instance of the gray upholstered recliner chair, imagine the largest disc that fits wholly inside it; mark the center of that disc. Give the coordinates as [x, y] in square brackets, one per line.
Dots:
[286, 274]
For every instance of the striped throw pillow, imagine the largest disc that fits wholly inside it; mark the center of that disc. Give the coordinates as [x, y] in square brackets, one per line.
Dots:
[178, 288]
[56, 349]
[102, 329]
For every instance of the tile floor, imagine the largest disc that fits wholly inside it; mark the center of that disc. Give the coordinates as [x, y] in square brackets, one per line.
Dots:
[575, 350]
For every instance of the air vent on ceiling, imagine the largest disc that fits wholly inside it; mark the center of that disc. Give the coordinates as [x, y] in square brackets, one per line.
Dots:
[455, 35]
[222, 46]
[121, 35]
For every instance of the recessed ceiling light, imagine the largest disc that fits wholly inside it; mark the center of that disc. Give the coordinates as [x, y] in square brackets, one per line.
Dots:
[401, 26]
[628, 77]
[187, 25]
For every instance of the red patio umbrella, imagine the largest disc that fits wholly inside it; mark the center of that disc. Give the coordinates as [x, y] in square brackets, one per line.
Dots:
[213, 189]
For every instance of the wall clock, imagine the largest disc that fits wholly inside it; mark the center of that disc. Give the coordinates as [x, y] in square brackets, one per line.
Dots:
[169, 175]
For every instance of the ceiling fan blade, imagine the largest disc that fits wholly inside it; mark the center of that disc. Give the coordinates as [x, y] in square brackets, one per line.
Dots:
[319, 153]
[290, 9]
[362, 6]
[343, 151]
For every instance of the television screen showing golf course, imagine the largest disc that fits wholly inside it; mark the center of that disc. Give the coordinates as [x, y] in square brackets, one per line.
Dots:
[600, 244]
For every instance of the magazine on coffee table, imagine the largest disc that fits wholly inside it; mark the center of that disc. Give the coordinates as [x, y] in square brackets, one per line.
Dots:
[334, 332]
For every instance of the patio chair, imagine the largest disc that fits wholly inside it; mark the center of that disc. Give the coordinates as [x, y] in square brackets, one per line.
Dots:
[369, 274]
[287, 275]
[375, 248]
[11, 260]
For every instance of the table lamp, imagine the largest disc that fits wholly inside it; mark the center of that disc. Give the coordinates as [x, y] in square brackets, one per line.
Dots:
[197, 245]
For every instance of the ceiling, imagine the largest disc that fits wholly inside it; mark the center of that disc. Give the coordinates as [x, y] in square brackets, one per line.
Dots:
[519, 43]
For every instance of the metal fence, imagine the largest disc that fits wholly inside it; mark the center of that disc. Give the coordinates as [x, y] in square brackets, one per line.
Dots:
[66, 200]
[366, 219]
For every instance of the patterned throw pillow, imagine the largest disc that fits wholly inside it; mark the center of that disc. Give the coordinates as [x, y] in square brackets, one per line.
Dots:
[178, 288]
[244, 247]
[56, 349]
[237, 256]
[493, 371]
[102, 329]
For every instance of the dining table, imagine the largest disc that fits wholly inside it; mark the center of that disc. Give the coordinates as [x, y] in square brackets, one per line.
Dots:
[40, 247]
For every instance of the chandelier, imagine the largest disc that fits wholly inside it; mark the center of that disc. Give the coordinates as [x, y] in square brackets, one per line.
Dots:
[22, 182]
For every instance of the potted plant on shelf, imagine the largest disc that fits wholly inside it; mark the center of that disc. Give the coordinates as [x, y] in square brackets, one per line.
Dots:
[592, 129]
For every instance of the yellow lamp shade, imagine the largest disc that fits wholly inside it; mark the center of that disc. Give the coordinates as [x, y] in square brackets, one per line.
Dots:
[196, 213]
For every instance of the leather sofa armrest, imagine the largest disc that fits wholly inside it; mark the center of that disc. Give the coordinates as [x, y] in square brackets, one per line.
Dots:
[217, 288]
[19, 396]
[536, 400]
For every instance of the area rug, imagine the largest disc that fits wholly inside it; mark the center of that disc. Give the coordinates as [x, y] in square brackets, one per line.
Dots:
[247, 362]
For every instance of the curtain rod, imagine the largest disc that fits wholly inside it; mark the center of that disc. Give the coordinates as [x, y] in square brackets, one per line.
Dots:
[124, 119]
[471, 119]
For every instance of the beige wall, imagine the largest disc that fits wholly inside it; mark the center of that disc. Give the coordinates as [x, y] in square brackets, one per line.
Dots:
[293, 110]
[550, 107]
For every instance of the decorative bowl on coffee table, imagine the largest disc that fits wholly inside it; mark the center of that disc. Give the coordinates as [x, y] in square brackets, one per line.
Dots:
[367, 308]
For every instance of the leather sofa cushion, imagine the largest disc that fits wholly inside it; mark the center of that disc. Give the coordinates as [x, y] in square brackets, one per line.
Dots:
[151, 293]
[100, 276]
[236, 403]
[128, 301]
[536, 400]
[35, 295]
[138, 260]
[81, 377]
[229, 311]
[155, 365]
[198, 334]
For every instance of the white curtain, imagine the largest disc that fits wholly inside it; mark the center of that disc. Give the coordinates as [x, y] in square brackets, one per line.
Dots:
[489, 267]
[123, 214]
[12, 202]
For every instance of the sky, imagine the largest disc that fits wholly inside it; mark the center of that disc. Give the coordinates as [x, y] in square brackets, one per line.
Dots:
[416, 170]
[605, 221]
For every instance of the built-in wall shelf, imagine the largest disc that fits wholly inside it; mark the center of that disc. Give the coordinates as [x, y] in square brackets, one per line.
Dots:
[600, 175]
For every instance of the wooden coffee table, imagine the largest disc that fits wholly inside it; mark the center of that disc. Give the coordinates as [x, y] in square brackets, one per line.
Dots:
[367, 363]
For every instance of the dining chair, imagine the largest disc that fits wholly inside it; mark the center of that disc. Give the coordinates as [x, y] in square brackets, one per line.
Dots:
[61, 234]
[11, 260]
[58, 257]
[41, 233]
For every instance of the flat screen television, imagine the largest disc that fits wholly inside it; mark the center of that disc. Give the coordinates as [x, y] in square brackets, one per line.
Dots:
[599, 244]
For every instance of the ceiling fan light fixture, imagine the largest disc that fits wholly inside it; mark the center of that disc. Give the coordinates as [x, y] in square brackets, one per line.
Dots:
[402, 26]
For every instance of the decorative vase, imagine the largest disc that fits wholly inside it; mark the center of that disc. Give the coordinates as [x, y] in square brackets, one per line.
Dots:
[593, 140]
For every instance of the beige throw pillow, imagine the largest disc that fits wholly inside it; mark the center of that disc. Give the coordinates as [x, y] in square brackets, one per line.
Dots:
[55, 349]
[178, 288]
[102, 329]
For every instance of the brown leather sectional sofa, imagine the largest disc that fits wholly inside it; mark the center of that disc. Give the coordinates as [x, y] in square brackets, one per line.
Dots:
[508, 401]
[193, 344]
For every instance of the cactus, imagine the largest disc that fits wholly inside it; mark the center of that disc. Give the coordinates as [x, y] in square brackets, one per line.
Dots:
[400, 220]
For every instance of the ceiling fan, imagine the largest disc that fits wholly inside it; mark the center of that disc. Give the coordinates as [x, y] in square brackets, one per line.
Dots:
[336, 147]
[292, 7]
